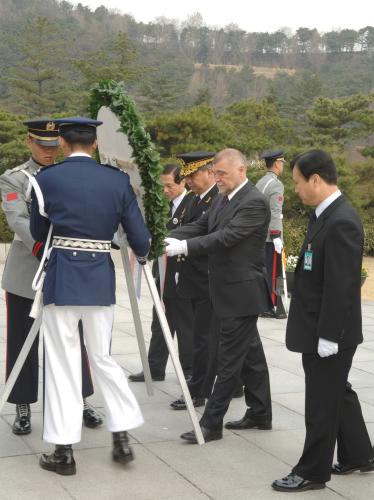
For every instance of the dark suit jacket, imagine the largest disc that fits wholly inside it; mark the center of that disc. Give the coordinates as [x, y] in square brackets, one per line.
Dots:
[327, 300]
[233, 237]
[170, 290]
[193, 270]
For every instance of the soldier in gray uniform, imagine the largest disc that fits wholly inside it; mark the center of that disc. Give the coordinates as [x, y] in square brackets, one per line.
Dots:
[20, 267]
[273, 189]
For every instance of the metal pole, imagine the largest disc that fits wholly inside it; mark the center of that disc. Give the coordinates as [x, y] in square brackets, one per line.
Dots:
[173, 354]
[137, 321]
[20, 360]
[283, 259]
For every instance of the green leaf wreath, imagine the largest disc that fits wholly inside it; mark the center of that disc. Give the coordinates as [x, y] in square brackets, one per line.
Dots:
[113, 95]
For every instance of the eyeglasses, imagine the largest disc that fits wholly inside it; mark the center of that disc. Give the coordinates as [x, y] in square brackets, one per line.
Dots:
[219, 173]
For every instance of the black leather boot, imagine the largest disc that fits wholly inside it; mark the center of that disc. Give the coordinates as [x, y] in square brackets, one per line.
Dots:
[121, 450]
[22, 423]
[61, 461]
[90, 416]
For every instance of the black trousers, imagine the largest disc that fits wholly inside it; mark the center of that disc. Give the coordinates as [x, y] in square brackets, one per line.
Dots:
[273, 268]
[241, 356]
[203, 312]
[179, 315]
[19, 324]
[332, 415]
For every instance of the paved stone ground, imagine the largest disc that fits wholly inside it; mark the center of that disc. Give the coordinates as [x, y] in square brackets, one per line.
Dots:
[240, 466]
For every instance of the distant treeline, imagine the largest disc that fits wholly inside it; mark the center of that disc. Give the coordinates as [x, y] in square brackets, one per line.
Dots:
[52, 52]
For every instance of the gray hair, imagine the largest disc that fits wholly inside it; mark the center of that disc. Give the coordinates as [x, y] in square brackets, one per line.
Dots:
[233, 156]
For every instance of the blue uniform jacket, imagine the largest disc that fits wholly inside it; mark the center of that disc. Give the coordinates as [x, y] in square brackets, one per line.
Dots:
[84, 199]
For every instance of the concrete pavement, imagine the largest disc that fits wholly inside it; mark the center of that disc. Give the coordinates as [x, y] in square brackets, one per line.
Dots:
[240, 466]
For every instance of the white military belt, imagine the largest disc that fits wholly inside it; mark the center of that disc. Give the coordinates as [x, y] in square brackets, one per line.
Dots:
[81, 244]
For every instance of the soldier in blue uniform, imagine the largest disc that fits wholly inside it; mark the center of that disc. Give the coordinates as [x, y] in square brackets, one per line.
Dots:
[84, 202]
[20, 267]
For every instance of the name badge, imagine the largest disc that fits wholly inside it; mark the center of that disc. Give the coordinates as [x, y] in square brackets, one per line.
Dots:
[308, 259]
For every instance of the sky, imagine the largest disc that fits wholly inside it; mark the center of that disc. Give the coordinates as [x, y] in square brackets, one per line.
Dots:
[250, 15]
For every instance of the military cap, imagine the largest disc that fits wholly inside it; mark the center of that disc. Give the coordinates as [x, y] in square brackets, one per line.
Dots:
[78, 123]
[43, 131]
[191, 162]
[273, 155]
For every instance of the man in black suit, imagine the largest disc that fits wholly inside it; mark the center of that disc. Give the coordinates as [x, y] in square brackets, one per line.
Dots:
[232, 233]
[178, 310]
[324, 324]
[193, 273]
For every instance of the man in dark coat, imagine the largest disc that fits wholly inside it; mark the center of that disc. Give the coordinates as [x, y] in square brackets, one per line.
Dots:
[193, 281]
[178, 309]
[324, 324]
[233, 233]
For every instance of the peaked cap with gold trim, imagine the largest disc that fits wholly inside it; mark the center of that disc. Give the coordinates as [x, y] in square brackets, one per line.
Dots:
[43, 131]
[191, 162]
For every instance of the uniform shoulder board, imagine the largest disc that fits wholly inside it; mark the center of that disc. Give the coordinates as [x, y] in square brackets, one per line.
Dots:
[24, 166]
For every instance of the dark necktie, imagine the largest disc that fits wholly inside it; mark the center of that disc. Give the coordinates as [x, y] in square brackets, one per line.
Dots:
[312, 221]
[170, 209]
[196, 201]
[223, 203]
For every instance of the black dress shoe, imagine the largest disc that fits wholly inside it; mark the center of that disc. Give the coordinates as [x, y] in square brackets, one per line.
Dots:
[90, 416]
[22, 422]
[248, 422]
[61, 461]
[208, 434]
[180, 404]
[139, 377]
[340, 469]
[121, 450]
[295, 483]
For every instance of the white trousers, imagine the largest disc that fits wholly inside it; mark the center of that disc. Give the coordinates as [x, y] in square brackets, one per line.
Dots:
[63, 403]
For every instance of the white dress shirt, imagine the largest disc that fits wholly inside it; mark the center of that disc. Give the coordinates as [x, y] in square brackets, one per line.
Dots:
[233, 193]
[327, 201]
[79, 154]
[177, 201]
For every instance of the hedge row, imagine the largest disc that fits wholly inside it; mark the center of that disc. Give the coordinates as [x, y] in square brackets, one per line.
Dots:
[295, 228]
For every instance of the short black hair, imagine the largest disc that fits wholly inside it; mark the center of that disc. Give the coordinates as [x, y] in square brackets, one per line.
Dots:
[83, 135]
[269, 162]
[175, 170]
[316, 161]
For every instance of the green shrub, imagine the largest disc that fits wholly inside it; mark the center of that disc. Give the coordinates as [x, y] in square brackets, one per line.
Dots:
[6, 234]
[294, 229]
[367, 217]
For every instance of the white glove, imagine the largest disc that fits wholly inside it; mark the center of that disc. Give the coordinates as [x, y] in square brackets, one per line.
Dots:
[327, 348]
[278, 245]
[175, 247]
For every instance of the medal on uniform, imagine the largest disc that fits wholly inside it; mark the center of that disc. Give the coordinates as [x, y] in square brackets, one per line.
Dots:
[175, 221]
[308, 258]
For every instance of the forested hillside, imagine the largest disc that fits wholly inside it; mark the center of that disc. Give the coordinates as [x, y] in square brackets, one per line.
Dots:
[51, 52]
[198, 87]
